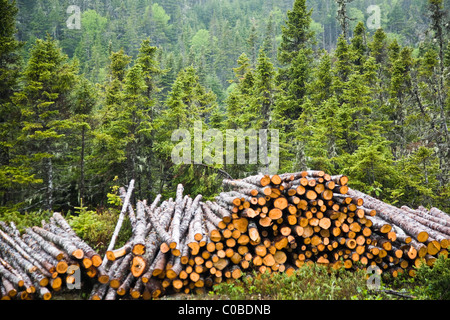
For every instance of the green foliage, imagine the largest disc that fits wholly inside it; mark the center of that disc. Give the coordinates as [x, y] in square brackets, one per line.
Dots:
[297, 34]
[113, 196]
[23, 220]
[91, 50]
[187, 102]
[310, 282]
[372, 105]
[48, 80]
[96, 228]
[430, 282]
[9, 57]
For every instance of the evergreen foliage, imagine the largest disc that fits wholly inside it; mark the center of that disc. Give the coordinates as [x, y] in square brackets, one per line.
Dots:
[82, 110]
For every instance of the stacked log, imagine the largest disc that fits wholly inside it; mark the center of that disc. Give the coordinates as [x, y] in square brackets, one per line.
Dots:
[265, 223]
[420, 234]
[168, 250]
[312, 217]
[41, 260]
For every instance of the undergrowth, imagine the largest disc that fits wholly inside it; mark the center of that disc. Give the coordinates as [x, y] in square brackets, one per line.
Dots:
[313, 282]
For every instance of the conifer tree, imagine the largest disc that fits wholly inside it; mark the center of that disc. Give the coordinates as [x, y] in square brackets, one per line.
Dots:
[398, 93]
[187, 103]
[263, 91]
[296, 34]
[48, 80]
[359, 46]
[151, 72]
[111, 135]
[13, 173]
[439, 21]
[343, 66]
[239, 97]
[84, 100]
[295, 55]
[343, 17]
[378, 46]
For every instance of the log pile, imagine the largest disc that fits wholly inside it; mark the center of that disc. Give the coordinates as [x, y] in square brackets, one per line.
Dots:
[312, 217]
[270, 224]
[265, 223]
[172, 248]
[42, 260]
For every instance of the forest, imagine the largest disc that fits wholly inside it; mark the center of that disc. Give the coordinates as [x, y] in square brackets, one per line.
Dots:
[85, 110]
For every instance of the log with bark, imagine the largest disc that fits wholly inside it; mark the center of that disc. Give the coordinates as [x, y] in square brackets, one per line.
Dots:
[187, 244]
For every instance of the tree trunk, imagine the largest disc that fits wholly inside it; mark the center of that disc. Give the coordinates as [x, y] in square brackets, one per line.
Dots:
[64, 243]
[140, 230]
[120, 220]
[83, 142]
[392, 214]
[49, 192]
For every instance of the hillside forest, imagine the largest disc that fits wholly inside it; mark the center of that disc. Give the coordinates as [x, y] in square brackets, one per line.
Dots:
[84, 110]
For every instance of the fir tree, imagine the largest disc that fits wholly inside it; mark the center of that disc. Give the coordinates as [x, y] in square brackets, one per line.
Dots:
[378, 46]
[111, 135]
[151, 73]
[295, 55]
[359, 46]
[343, 65]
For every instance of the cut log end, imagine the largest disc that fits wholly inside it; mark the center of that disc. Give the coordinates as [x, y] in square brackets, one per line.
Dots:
[78, 254]
[103, 279]
[164, 247]
[138, 266]
[280, 203]
[110, 255]
[422, 236]
[61, 267]
[139, 249]
[96, 260]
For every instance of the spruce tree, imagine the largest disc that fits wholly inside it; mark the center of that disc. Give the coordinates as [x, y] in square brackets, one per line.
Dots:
[295, 55]
[13, 172]
[84, 99]
[343, 66]
[359, 46]
[187, 103]
[263, 91]
[111, 135]
[147, 58]
[398, 95]
[296, 34]
[378, 46]
[343, 17]
[152, 73]
[438, 23]
[48, 81]
[240, 95]
[9, 46]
